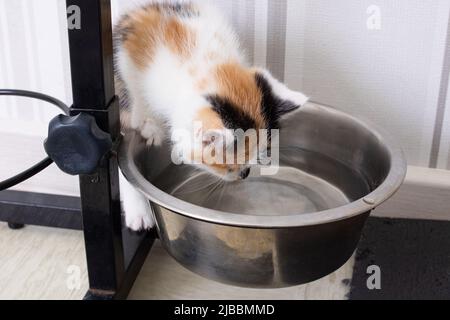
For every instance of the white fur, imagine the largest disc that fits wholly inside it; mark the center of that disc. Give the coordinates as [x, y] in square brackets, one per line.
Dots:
[283, 91]
[166, 89]
[164, 95]
[138, 213]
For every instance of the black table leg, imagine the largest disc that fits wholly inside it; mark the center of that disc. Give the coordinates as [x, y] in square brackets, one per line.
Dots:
[91, 56]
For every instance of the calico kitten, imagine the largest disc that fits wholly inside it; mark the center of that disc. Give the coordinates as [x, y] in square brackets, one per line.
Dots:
[180, 64]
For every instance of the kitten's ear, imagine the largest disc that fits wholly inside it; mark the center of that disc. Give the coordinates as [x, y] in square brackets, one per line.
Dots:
[277, 94]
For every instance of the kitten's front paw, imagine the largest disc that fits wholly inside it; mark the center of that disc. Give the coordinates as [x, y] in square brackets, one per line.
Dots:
[152, 133]
[139, 222]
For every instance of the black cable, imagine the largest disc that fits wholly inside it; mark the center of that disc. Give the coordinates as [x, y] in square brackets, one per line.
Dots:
[36, 95]
[41, 165]
[21, 177]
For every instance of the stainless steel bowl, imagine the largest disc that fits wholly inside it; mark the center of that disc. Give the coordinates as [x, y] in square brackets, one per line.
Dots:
[272, 231]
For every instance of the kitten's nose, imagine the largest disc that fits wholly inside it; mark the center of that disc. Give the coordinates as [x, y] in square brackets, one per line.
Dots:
[244, 173]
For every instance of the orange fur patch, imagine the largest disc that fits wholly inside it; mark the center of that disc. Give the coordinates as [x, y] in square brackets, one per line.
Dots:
[210, 119]
[143, 30]
[179, 38]
[147, 28]
[238, 84]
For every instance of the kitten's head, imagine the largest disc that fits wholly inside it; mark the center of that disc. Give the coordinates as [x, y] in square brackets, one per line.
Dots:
[244, 101]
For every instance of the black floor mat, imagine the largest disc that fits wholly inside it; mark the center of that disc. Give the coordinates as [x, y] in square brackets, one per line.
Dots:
[413, 256]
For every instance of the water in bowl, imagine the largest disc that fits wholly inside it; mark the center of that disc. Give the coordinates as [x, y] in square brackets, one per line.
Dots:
[306, 182]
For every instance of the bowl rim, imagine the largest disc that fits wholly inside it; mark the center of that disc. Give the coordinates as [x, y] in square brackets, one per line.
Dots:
[384, 191]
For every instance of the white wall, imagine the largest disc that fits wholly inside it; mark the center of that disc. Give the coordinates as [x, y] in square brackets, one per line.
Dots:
[396, 76]
[391, 76]
[33, 56]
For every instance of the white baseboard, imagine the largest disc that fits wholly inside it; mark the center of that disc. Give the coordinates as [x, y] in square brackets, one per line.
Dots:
[425, 194]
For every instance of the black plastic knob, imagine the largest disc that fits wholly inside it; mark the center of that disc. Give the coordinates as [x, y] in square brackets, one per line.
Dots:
[76, 144]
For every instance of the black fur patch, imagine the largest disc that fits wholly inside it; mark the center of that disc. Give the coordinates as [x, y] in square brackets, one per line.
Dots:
[231, 115]
[272, 106]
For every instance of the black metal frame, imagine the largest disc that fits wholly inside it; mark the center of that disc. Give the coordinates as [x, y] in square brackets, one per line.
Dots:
[114, 254]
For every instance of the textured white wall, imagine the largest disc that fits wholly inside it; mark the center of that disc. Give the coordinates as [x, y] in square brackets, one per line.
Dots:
[395, 76]
[33, 56]
[390, 76]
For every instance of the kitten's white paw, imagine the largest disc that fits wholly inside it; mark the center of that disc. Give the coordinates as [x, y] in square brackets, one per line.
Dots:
[152, 133]
[135, 207]
[139, 222]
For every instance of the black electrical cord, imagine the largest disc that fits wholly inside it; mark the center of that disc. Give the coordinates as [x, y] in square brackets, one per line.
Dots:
[41, 165]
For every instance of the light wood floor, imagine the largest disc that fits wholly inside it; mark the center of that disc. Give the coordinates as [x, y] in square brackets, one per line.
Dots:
[42, 263]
